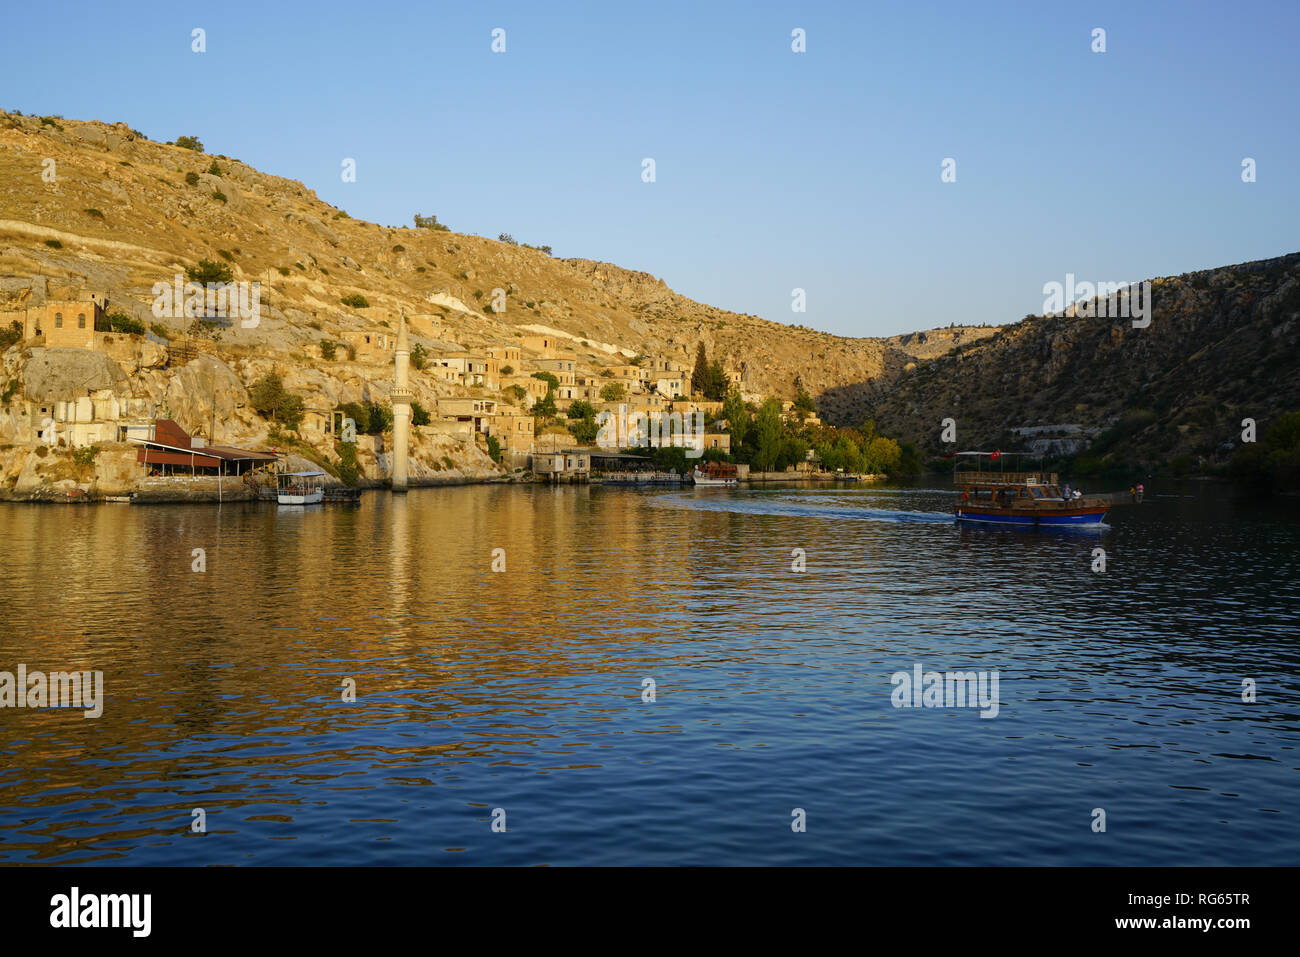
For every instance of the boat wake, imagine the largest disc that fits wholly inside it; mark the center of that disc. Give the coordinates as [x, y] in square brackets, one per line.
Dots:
[839, 507]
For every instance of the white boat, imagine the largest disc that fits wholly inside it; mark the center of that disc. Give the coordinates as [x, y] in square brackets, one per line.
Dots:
[715, 473]
[299, 488]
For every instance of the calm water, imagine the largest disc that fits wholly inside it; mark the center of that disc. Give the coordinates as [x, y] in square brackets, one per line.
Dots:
[522, 690]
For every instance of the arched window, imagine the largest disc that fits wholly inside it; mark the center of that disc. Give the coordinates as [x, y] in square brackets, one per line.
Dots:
[58, 320]
[81, 320]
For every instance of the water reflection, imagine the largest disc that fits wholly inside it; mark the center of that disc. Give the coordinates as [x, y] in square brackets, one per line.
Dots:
[522, 688]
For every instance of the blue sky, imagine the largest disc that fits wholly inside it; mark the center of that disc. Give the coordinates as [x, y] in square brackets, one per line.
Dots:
[774, 170]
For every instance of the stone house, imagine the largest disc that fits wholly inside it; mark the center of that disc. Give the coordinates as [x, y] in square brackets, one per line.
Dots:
[545, 346]
[475, 369]
[371, 345]
[468, 410]
[507, 356]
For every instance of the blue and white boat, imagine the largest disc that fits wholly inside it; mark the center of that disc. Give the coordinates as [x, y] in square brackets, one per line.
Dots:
[1020, 498]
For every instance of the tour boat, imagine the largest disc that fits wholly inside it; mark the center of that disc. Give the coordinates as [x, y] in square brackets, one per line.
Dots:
[715, 473]
[1021, 498]
[299, 488]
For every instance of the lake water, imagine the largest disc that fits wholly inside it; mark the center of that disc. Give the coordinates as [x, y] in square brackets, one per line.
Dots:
[523, 690]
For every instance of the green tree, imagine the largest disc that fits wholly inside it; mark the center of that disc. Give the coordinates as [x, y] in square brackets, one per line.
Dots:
[584, 431]
[549, 379]
[419, 414]
[430, 222]
[614, 392]
[715, 383]
[700, 375]
[359, 414]
[271, 400]
[582, 421]
[767, 426]
[545, 406]
[189, 143]
[11, 335]
[208, 271]
[381, 419]
[266, 395]
[793, 450]
[909, 460]
[670, 458]
[291, 410]
[737, 416]
[494, 448]
[348, 469]
[881, 455]
[1274, 462]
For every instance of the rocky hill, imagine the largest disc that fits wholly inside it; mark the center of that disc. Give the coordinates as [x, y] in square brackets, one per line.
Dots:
[1221, 346]
[97, 206]
[123, 212]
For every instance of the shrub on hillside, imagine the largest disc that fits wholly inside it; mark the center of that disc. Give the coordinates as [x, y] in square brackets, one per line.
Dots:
[208, 271]
[430, 222]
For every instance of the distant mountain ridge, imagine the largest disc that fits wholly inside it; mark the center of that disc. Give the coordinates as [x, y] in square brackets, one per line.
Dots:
[1221, 347]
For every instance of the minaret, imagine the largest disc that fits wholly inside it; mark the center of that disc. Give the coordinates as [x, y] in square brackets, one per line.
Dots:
[402, 396]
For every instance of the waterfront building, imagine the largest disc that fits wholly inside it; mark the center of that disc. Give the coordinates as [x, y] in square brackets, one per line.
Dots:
[167, 449]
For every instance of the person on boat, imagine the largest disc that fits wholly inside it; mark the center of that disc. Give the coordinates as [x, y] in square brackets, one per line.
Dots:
[1066, 493]
[1077, 494]
[1140, 491]
[1132, 493]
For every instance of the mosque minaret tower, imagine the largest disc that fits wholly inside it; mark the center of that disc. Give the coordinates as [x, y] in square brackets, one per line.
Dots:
[401, 397]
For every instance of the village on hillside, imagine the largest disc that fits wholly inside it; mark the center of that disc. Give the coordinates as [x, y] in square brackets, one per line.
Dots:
[176, 325]
[100, 405]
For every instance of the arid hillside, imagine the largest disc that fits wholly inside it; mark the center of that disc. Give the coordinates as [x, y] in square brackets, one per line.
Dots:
[1221, 347]
[99, 206]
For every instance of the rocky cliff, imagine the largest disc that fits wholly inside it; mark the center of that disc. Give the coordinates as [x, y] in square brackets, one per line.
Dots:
[1220, 348]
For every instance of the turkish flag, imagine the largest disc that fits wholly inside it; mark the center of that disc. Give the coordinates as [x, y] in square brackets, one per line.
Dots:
[995, 456]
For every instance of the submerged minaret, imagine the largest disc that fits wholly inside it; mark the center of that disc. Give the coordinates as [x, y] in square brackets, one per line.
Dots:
[402, 396]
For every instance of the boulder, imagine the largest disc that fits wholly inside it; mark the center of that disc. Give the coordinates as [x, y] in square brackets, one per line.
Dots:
[63, 373]
[198, 387]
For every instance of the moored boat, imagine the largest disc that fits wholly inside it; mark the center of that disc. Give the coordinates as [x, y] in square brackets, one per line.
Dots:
[299, 488]
[1021, 498]
[715, 473]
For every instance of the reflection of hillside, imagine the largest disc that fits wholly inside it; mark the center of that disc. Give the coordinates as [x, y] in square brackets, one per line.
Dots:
[397, 594]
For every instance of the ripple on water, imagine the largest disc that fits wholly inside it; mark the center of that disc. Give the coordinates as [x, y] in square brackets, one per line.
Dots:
[772, 687]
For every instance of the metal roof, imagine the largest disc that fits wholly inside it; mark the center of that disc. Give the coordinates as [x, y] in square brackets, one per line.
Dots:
[211, 451]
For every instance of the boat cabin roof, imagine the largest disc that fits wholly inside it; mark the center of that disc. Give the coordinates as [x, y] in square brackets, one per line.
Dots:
[983, 479]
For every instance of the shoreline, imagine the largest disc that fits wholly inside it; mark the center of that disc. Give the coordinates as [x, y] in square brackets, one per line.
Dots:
[207, 492]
